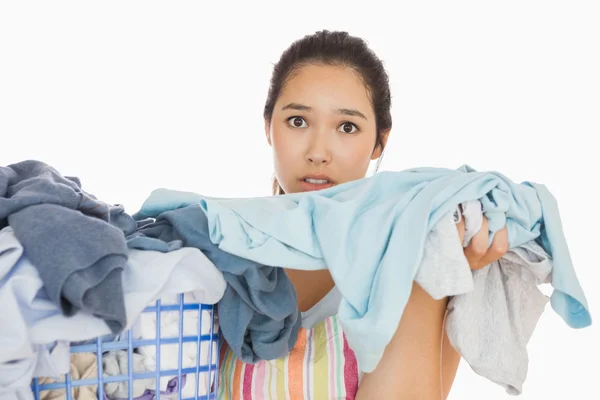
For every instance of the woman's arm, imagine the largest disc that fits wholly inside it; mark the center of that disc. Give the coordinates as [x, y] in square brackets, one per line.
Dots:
[419, 362]
[410, 367]
[450, 361]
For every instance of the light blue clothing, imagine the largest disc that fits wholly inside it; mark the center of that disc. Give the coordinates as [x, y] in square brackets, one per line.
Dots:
[370, 234]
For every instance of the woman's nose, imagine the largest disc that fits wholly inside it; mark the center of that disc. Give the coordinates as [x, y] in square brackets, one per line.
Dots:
[318, 151]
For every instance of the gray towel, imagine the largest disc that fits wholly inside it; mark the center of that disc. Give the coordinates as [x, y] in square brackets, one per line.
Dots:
[491, 325]
[66, 234]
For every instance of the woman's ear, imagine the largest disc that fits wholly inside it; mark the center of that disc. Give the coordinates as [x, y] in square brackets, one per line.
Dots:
[379, 149]
[268, 130]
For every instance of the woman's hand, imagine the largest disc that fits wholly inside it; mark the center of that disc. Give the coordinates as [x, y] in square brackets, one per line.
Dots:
[478, 254]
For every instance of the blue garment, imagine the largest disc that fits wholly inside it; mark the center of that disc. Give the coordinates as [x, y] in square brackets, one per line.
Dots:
[64, 230]
[77, 242]
[370, 234]
[258, 314]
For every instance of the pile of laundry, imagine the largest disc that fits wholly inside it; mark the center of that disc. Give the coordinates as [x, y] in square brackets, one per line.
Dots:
[74, 267]
[69, 274]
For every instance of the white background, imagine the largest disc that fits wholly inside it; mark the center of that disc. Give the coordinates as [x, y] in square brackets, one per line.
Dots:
[131, 96]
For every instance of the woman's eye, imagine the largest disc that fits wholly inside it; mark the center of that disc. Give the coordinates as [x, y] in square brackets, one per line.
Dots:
[297, 122]
[348, 127]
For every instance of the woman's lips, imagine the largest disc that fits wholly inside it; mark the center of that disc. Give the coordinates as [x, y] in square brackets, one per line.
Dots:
[309, 186]
[310, 183]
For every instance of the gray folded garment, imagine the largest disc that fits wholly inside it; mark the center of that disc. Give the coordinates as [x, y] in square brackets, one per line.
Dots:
[68, 235]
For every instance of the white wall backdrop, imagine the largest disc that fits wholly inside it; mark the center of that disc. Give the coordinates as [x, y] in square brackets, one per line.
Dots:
[135, 95]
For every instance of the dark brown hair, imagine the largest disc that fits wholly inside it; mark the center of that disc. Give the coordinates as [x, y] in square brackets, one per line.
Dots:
[335, 48]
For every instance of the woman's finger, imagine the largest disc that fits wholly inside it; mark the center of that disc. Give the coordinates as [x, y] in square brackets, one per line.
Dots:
[460, 226]
[478, 246]
[498, 248]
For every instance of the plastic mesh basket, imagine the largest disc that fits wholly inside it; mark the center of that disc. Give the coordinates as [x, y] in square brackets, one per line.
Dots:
[177, 374]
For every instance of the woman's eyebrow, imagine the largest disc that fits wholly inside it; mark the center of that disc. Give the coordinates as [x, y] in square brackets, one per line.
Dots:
[296, 106]
[342, 111]
[351, 112]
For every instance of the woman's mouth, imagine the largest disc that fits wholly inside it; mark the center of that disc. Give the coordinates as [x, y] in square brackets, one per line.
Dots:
[312, 183]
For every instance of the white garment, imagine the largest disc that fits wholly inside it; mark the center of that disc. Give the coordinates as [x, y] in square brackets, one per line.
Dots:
[491, 323]
[149, 275]
[169, 353]
[473, 215]
[16, 376]
[444, 270]
[116, 363]
[36, 322]
[15, 379]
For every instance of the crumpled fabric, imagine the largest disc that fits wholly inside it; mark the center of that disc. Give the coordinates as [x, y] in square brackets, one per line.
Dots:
[115, 363]
[83, 366]
[370, 234]
[67, 235]
[491, 324]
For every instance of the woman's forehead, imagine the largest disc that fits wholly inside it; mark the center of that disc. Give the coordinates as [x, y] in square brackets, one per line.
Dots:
[324, 86]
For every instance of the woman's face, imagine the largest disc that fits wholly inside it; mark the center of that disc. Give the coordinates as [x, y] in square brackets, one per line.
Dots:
[322, 130]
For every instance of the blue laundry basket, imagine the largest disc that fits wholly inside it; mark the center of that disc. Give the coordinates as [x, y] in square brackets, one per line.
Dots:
[203, 373]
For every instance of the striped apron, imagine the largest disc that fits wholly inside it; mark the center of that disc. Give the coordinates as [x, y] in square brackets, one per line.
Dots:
[321, 366]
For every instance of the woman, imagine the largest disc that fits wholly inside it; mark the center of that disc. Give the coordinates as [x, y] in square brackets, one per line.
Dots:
[327, 115]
